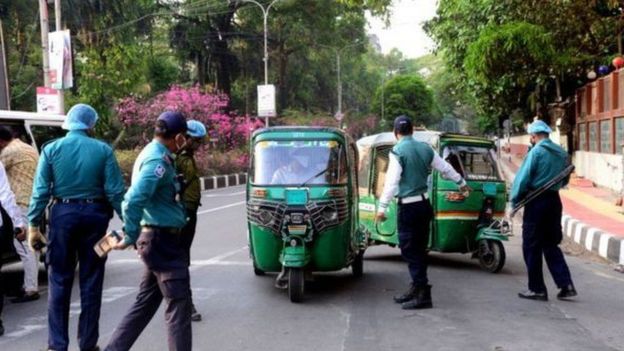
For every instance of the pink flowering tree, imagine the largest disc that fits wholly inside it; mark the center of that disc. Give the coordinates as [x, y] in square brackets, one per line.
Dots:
[229, 131]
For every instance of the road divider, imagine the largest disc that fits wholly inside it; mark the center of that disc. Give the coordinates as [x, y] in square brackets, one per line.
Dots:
[222, 181]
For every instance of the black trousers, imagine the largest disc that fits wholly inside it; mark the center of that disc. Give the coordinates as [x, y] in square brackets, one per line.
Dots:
[188, 233]
[166, 277]
[541, 236]
[414, 222]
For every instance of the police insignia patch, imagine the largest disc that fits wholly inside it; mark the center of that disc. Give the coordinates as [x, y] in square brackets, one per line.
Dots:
[159, 171]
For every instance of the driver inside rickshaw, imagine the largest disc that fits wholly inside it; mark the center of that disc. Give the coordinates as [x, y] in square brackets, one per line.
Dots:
[301, 166]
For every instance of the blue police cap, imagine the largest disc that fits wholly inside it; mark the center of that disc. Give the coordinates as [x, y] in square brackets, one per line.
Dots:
[403, 125]
[80, 117]
[195, 129]
[174, 123]
[539, 126]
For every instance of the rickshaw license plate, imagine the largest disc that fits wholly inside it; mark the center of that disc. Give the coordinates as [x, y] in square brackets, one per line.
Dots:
[296, 197]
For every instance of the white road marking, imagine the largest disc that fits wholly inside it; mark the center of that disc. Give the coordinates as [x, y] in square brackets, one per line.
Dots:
[224, 195]
[221, 208]
[35, 324]
[217, 260]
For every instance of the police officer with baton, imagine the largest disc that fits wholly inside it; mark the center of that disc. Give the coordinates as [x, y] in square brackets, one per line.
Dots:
[410, 164]
[541, 229]
[153, 220]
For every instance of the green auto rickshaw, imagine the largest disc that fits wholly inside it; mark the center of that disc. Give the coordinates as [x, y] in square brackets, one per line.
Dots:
[302, 204]
[464, 224]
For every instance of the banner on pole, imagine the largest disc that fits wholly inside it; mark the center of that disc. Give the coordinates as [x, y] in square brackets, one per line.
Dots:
[61, 71]
[48, 101]
[266, 101]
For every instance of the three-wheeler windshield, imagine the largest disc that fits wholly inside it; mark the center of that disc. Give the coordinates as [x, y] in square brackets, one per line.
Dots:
[298, 163]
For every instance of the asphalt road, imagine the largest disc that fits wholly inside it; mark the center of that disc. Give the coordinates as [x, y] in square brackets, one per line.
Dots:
[474, 310]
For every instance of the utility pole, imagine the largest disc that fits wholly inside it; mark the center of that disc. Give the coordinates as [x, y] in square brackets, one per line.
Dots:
[5, 96]
[265, 14]
[58, 27]
[43, 15]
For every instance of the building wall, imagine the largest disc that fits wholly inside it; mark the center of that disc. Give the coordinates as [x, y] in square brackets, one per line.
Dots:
[603, 169]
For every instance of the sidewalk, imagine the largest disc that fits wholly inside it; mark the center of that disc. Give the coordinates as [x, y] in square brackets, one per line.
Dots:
[590, 216]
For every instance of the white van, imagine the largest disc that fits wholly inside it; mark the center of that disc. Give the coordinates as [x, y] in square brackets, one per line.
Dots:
[34, 128]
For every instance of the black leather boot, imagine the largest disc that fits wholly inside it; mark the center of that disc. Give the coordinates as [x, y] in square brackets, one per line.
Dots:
[409, 295]
[423, 299]
[567, 292]
[532, 295]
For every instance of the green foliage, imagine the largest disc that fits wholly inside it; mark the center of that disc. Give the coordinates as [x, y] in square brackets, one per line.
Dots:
[406, 95]
[507, 55]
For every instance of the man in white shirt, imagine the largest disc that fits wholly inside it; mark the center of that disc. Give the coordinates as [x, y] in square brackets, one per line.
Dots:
[410, 162]
[7, 200]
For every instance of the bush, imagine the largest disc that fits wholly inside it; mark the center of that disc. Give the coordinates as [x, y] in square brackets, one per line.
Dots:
[209, 161]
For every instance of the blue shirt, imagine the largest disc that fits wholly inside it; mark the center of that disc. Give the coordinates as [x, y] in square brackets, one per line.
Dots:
[545, 161]
[151, 199]
[76, 167]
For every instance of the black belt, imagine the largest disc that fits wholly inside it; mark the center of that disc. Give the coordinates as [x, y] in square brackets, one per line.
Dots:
[80, 201]
[167, 230]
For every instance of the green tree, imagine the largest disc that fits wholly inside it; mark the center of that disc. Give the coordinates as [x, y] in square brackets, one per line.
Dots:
[406, 95]
[490, 49]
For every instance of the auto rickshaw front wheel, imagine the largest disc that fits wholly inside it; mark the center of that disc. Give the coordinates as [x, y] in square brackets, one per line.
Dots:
[296, 284]
[491, 255]
[257, 271]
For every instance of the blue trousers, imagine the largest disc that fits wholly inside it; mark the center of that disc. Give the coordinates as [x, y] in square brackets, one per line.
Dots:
[166, 277]
[541, 236]
[414, 222]
[74, 230]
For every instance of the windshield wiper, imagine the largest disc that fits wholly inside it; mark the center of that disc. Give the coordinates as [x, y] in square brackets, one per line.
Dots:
[314, 176]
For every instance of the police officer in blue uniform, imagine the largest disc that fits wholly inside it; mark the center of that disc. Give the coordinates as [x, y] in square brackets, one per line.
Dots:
[406, 178]
[81, 177]
[153, 220]
[541, 230]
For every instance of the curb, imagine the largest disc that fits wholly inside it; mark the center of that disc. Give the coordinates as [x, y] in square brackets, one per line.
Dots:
[590, 238]
[222, 181]
[606, 245]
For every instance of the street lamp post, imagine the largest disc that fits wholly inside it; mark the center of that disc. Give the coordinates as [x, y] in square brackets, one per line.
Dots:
[338, 52]
[265, 13]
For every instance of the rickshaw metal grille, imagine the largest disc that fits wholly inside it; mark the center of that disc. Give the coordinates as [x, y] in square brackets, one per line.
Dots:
[268, 214]
[316, 210]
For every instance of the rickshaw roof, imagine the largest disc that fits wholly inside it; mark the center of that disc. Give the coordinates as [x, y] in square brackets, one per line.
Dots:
[303, 132]
[433, 138]
[388, 138]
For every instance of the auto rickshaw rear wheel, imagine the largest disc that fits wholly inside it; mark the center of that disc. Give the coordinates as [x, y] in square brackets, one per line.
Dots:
[491, 255]
[296, 284]
[357, 267]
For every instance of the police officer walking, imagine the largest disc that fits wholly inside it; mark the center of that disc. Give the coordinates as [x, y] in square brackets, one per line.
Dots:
[191, 194]
[541, 229]
[408, 170]
[81, 177]
[153, 221]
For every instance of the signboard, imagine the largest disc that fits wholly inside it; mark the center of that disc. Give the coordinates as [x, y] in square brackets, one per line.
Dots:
[61, 72]
[48, 101]
[266, 101]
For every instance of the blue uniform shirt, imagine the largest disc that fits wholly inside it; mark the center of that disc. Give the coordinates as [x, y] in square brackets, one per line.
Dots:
[545, 161]
[76, 167]
[151, 199]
